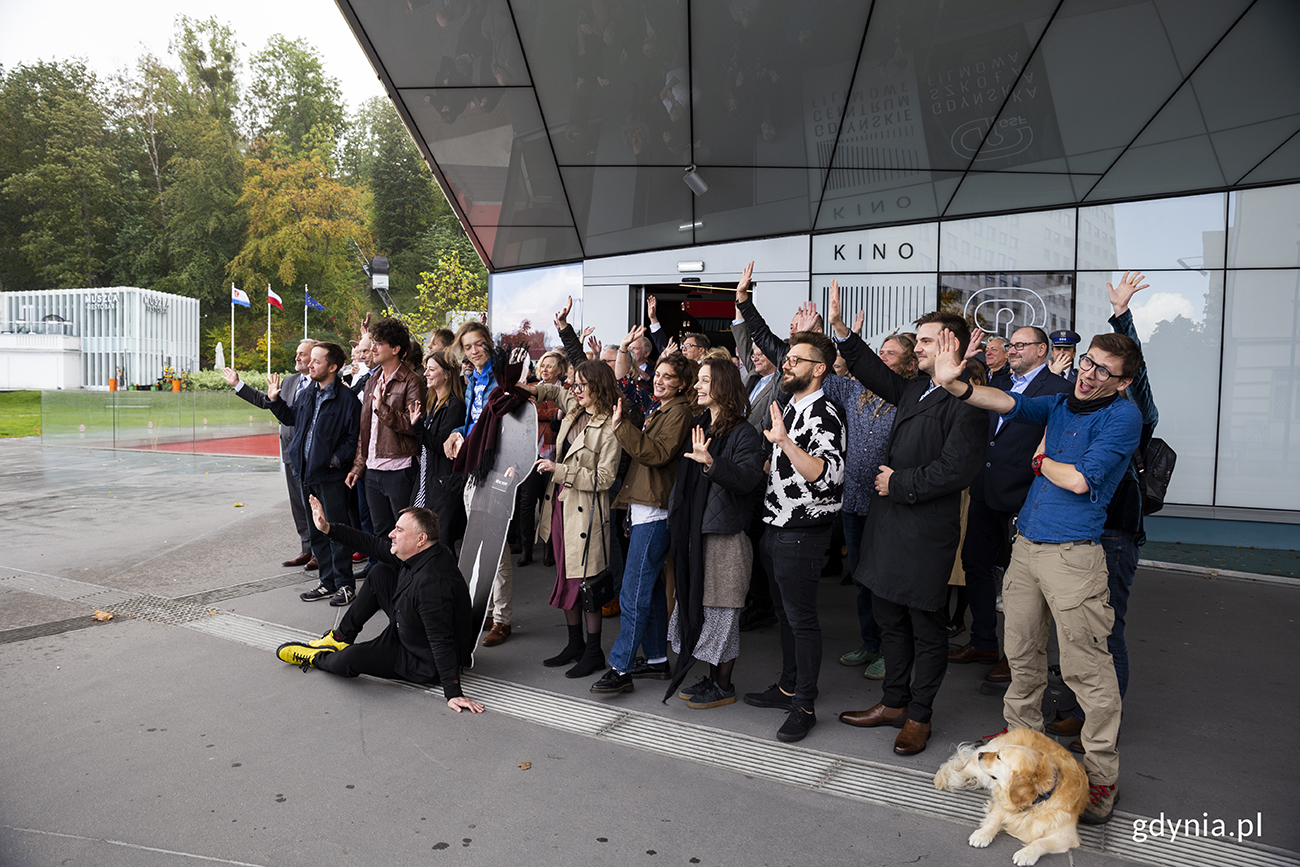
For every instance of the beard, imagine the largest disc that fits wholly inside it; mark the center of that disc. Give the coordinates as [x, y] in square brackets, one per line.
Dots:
[793, 384]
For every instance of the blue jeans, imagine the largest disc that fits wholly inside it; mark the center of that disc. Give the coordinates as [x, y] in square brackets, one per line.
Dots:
[1121, 566]
[853, 527]
[644, 618]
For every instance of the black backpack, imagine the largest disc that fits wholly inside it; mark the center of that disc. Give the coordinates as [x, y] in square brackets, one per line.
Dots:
[1155, 469]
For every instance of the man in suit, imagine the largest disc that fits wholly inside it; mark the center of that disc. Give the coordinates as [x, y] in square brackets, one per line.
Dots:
[913, 528]
[289, 389]
[1000, 489]
[760, 377]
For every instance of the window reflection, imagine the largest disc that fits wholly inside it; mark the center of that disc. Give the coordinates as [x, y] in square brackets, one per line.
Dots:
[1000, 303]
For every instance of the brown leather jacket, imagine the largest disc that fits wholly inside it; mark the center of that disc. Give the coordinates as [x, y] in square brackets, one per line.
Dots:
[655, 452]
[396, 439]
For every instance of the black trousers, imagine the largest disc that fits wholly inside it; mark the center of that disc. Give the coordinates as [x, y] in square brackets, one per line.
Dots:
[794, 560]
[527, 495]
[915, 644]
[388, 492]
[382, 656]
[987, 544]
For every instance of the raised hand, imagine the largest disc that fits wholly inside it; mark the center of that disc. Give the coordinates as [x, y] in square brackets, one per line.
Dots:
[632, 336]
[806, 318]
[976, 341]
[562, 318]
[230, 376]
[616, 415]
[272, 386]
[834, 313]
[318, 514]
[671, 347]
[1121, 295]
[652, 308]
[947, 363]
[416, 412]
[859, 320]
[742, 288]
[595, 345]
[700, 447]
[1062, 360]
[777, 434]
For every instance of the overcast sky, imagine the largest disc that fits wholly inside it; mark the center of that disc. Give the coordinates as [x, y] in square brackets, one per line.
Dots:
[109, 36]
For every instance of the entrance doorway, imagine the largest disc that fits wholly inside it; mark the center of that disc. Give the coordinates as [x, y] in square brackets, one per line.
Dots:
[687, 307]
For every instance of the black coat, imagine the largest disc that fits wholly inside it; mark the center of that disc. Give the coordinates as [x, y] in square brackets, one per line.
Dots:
[736, 478]
[910, 541]
[334, 442]
[1004, 478]
[433, 616]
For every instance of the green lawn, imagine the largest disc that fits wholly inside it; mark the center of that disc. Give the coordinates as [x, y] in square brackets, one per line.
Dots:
[20, 414]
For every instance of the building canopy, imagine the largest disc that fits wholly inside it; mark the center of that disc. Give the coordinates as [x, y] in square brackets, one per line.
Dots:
[570, 129]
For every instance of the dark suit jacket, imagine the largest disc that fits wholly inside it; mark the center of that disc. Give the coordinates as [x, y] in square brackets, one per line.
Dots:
[1004, 479]
[288, 389]
[334, 441]
[760, 415]
[910, 542]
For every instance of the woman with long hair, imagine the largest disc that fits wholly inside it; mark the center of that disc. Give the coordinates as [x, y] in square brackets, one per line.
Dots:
[442, 413]
[710, 508]
[552, 368]
[575, 509]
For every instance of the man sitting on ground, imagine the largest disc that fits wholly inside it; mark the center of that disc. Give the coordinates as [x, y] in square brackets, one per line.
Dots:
[415, 580]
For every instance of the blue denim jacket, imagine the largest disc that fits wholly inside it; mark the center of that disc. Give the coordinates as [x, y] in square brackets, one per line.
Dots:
[1098, 444]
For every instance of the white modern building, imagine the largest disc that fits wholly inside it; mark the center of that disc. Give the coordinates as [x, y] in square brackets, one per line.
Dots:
[82, 338]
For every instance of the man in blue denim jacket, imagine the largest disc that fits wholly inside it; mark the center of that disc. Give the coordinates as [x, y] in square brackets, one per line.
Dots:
[1058, 569]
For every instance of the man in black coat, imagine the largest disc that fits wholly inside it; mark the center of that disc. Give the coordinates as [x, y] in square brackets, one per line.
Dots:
[1000, 489]
[416, 582]
[910, 542]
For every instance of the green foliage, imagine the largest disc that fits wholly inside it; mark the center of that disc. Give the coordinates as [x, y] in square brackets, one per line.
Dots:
[292, 96]
[210, 380]
[450, 286]
[20, 414]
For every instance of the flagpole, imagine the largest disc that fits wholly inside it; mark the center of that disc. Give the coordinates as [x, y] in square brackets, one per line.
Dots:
[232, 326]
[268, 329]
[304, 311]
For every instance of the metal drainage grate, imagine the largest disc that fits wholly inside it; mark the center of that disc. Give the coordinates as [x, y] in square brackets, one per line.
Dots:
[248, 630]
[156, 609]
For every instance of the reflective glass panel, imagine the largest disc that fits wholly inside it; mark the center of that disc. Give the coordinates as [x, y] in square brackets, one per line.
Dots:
[1262, 228]
[1259, 431]
[890, 302]
[1178, 319]
[1000, 303]
[750, 203]
[1167, 233]
[621, 208]
[1042, 241]
[997, 191]
[861, 197]
[523, 304]
[516, 246]
[1282, 165]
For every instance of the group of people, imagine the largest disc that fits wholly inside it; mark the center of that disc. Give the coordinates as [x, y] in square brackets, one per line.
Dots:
[712, 486]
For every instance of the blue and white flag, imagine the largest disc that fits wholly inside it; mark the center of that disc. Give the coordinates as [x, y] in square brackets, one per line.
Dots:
[238, 296]
[313, 303]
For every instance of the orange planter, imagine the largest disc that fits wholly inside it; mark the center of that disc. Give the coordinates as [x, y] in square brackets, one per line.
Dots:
[176, 385]
[112, 385]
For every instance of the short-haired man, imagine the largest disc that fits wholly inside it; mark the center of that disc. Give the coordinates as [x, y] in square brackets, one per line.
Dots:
[416, 582]
[1058, 567]
[1000, 489]
[325, 422]
[362, 356]
[995, 355]
[913, 528]
[386, 447]
[802, 501]
[293, 384]
[1065, 345]
[694, 345]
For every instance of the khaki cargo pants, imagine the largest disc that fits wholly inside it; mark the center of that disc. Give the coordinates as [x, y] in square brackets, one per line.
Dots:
[1066, 582]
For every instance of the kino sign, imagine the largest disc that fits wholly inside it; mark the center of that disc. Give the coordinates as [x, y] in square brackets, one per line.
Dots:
[893, 249]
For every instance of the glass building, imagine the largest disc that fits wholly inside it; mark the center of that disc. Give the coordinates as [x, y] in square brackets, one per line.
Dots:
[1003, 158]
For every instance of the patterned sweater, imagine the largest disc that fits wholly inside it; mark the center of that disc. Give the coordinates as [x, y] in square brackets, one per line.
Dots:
[816, 426]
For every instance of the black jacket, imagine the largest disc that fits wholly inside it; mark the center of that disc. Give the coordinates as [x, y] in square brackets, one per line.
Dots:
[910, 542]
[432, 608]
[432, 432]
[1004, 478]
[736, 479]
[261, 401]
[334, 441]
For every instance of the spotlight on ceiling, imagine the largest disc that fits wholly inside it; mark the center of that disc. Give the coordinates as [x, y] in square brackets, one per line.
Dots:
[693, 180]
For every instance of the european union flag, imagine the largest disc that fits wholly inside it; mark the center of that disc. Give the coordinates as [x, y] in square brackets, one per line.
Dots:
[313, 303]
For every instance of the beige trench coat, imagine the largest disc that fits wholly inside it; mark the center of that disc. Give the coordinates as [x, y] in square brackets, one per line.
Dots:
[588, 470]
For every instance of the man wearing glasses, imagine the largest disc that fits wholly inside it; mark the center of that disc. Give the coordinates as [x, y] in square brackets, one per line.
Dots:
[1058, 568]
[1000, 489]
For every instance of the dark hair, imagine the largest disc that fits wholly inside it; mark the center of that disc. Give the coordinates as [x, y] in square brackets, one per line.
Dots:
[426, 520]
[824, 345]
[683, 368]
[392, 332]
[727, 390]
[1121, 346]
[953, 323]
[977, 373]
[699, 338]
[1039, 334]
[601, 385]
[415, 358]
[445, 336]
[908, 343]
[333, 354]
[445, 359]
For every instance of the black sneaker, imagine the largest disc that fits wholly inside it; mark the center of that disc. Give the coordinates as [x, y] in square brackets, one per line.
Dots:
[770, 697]
[688, 692]
[654, 670]
[316, 594]
[712, 696]
[796, 726]
[612, 683]
[344, 597]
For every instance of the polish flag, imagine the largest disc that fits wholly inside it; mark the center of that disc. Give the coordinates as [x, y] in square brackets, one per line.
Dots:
[273, 299]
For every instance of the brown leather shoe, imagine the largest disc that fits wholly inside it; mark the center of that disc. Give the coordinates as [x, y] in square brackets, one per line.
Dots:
[312, 565]
[971, 653]
[1000, 672]
[497, 635]
[1076, 746]
[876, 716]
[610, 609]
[301, 560]
[1069, 727]
[912, 739]
[488, 624]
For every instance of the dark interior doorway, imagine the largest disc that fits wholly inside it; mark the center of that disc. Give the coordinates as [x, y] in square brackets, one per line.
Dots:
[682, 307]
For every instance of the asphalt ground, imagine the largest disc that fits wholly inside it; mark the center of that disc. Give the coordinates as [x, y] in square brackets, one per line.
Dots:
[135, 742]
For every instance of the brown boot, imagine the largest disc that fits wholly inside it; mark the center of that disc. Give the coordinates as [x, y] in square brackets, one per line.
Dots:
[876, 716]
[971, 653]
[912, 739]
[1070, 727]
[1000, 672]
[497, 635]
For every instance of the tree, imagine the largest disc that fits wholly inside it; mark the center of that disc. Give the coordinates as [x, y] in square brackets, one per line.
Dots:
[451, 286]
[292, 95]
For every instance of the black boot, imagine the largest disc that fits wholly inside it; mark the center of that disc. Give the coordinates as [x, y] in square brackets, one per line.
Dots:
[571, 651]
[593, 658]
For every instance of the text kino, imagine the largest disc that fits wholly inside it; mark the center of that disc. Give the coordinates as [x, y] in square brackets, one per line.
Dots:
[878, 251]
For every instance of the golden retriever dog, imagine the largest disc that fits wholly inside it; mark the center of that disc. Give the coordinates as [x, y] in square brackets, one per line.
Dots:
[1038, 790]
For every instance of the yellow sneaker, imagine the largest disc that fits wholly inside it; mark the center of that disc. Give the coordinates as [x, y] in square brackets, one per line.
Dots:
[297, 653]
[328, 641]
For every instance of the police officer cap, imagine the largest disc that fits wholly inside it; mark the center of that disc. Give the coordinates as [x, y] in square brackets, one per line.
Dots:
[1064, 337]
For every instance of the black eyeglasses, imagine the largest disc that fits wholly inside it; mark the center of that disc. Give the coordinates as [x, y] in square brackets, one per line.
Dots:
[795, 361]
[1102, 374]
[1020, 347]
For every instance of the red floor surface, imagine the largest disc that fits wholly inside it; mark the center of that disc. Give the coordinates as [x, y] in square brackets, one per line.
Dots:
[260, 445]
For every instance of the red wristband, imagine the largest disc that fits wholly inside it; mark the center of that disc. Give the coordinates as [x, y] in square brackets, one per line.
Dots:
[1037, 464]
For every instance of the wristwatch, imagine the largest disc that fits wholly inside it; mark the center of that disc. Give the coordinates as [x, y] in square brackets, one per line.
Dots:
[1037, 464]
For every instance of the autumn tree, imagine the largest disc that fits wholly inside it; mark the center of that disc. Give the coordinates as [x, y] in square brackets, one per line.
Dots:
[451, 286]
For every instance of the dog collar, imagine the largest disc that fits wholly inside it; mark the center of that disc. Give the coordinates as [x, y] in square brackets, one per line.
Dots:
[1048, 793]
